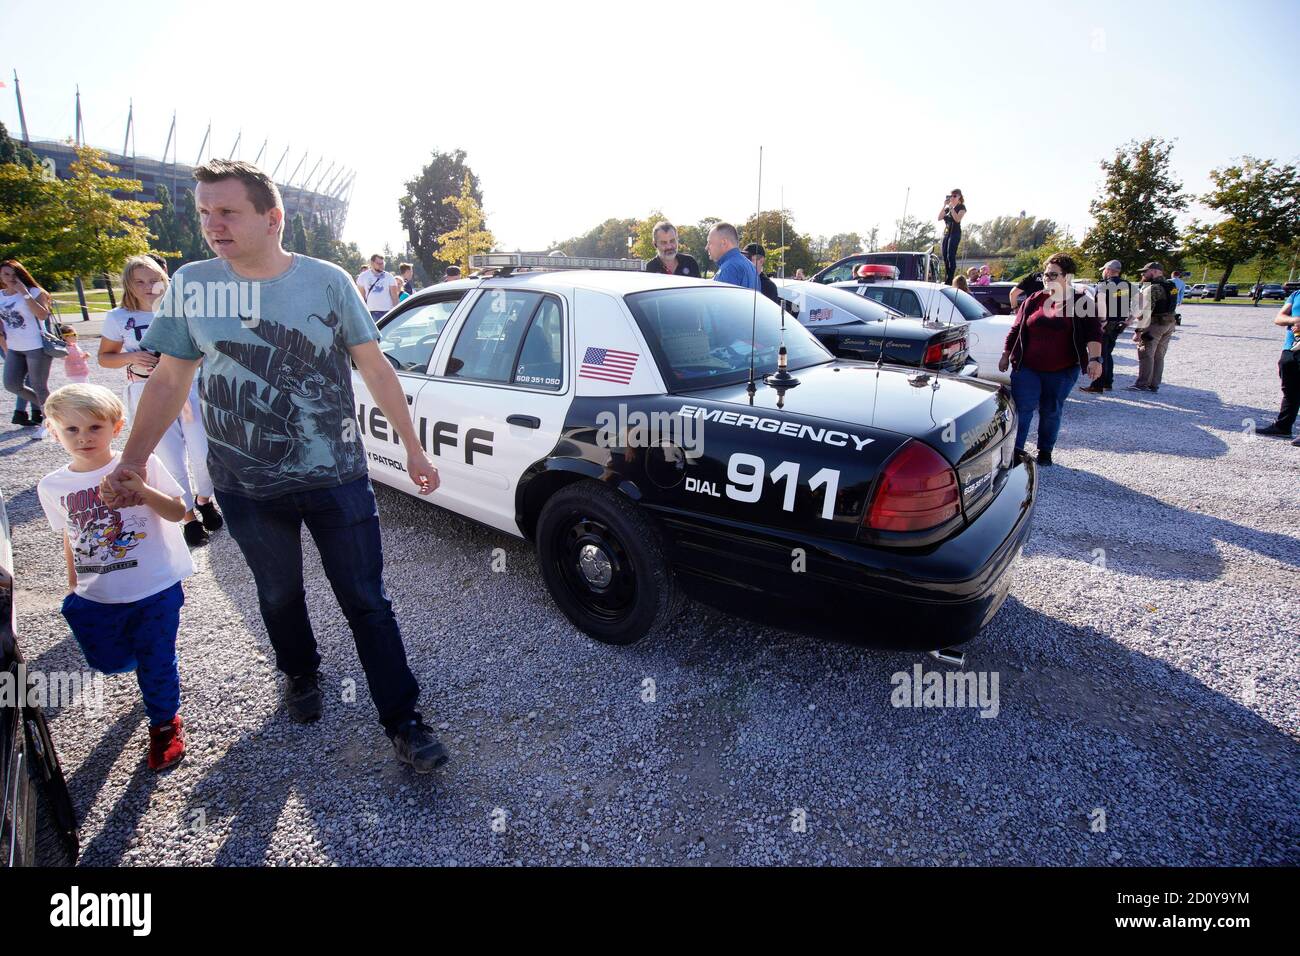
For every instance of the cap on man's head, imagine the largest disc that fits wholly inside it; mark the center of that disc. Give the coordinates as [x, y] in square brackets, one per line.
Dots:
[1153, 265]
[1114, 264]
[452, 271]
[755, 249]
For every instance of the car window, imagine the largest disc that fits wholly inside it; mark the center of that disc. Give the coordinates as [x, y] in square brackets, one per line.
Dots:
[489, 341]
[900, 300]
[967, 305]
[541, 360]
[408, 338]
[700, 336]
[840, 273]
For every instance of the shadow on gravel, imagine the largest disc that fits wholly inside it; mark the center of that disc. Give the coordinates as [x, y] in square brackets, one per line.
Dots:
[1177, 420]
[1178, 764]
[1155, 539]
[85, 783]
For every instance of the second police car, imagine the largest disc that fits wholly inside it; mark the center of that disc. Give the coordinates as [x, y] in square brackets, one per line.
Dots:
[609, 418]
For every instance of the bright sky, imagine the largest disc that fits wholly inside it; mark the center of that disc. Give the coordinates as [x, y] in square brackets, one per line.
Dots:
[573, 113]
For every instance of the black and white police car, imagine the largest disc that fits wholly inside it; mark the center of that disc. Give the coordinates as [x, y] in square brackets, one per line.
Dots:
[611, 417]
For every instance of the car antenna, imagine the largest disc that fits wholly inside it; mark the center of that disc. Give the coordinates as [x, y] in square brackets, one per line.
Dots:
[751, 388]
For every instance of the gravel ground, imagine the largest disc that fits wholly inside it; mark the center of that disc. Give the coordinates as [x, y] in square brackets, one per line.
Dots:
[1146, 661]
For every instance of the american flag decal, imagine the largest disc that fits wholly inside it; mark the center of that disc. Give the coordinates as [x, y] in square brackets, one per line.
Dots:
[820, 315]
[608, 365]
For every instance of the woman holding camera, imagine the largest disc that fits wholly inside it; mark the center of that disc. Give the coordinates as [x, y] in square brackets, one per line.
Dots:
[954, 210]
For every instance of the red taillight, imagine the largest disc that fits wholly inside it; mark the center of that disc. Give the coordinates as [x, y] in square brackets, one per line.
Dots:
[940, 352]
[918, 490]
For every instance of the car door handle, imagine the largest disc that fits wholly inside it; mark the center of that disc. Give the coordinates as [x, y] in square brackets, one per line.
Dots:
[527, 421]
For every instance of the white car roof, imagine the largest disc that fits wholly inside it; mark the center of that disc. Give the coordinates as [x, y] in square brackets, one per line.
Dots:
[612, 282]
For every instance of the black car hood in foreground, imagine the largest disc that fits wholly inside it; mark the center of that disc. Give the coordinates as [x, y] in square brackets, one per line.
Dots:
[942, 411]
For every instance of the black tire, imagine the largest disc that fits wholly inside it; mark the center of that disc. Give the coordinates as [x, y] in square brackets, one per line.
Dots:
[640, 596]
[56, 817]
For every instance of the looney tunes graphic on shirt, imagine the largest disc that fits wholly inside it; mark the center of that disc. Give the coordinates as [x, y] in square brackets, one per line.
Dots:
[102, 538]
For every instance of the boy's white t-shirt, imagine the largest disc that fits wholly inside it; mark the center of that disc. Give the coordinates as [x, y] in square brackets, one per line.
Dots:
[119, 555]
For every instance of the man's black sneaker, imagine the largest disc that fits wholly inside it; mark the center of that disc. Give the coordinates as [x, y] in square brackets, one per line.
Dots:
[212, 519]
[20, 418]
[302, 697]
[1094, 388]
[1044, 457]
[416, 745]
[1140, 388]
[1274, 432]
[194, 532]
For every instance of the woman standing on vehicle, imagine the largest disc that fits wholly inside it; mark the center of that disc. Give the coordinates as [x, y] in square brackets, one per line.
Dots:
[24, 308]
[1056, 335]
[954, 210]
[184, 447]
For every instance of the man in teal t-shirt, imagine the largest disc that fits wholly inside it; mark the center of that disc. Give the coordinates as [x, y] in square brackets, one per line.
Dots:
[277, 334]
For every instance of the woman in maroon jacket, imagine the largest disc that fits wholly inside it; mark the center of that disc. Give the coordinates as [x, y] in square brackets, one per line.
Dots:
[1056, 335]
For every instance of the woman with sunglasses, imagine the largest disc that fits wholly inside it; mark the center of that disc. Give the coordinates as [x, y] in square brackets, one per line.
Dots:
[951, 215]
[1055, 336]
[184, 447]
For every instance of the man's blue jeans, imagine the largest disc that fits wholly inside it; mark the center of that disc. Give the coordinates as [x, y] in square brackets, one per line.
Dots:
[344, 523]
[1044, 392]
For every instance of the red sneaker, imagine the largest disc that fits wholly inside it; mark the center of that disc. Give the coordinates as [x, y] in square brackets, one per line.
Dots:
[166, 744]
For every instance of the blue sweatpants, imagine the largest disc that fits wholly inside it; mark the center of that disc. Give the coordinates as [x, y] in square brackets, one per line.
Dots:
[139, 636]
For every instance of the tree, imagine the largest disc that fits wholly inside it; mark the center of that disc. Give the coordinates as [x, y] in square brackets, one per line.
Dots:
[65, 228]
[298, 230]
[843, 244]
[872, 242]
[12, 151]
[189, 231]
[323, 244]
[1008, 235]
[32, 218]
[1262, 204]
[424, 213]
[1134, 218]
[694, 241]
[162, 224]
[766, 228]
[606, 241]
[467, 237]
[914, 235]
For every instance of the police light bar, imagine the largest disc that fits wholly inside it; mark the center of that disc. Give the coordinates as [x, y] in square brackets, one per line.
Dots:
[875, 270]
[507, 261]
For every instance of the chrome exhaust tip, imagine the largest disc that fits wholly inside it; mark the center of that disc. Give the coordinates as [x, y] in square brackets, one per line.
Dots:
[950, 655]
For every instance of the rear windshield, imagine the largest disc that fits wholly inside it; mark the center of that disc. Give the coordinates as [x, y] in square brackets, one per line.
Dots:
[701, 335]
[967, 305]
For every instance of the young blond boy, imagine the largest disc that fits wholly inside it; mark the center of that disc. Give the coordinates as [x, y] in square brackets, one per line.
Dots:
[125, 564]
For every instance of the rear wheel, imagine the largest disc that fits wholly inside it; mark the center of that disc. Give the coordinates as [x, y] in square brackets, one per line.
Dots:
[604, 564]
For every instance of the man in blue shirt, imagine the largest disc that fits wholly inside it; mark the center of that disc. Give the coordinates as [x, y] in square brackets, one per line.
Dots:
[1288, 368]
[733, 267]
